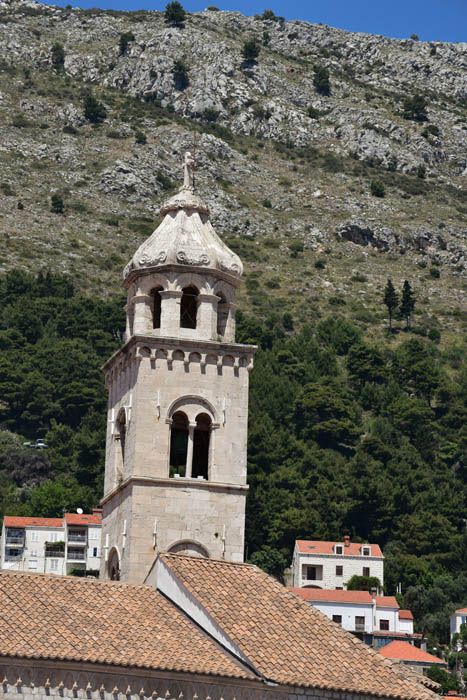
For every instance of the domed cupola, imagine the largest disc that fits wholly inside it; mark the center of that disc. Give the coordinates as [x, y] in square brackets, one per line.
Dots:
[182, 280]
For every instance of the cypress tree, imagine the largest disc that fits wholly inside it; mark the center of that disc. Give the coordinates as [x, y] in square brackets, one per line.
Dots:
[407, 302]
[391, 300]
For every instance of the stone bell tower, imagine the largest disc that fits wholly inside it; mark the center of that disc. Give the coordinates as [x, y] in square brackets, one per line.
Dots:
[175, 471]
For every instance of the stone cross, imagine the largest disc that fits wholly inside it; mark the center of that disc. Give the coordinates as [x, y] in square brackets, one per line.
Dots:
[188, 174]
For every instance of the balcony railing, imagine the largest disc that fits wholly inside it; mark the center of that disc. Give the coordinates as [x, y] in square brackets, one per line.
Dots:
[54, 553]
[13, 557]
[15, 540]
[359, 628]
[75, 537]
[76, 556]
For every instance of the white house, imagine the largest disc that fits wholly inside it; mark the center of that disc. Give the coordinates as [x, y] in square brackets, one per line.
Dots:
[458, 618]
[375, 619]
[330, 565]
[51, 545]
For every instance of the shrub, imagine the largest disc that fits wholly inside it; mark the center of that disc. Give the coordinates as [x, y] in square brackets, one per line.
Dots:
[210, 114]
[212, 8]
[320, 264]
[94, 111]
[296, 247]
[415, 37]
[165, 181]
[434, 335]
[20, 121]
[56, 202]
[313, 113]
[180, 74]
[174, 14]
[58, 56]
[267, 203]
[20, 205]
[251, 50]
[435, 273]
[321, 80]
[124, 40]
[113, 134]
[69, 129]
[377, 188]
[140, 137]
[6, 189]
[421, 172]
[430, 130]
[415, 108]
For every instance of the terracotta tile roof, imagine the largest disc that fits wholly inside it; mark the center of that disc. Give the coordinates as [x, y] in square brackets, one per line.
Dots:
[319, 547]
[66, 618]
[407, 652]
[461, 610]
[285, 638]
[386, 601]
[405, 615]
[315, 594]
[407, 635]
[14, 521]
[85, 519]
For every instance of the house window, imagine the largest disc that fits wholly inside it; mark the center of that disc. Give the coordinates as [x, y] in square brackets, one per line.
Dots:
[156, 307]
[32, 564]
[337, 618]
[359, 623]
[178, 443]
[53, 564]
[34, 536]
[94, 533]
[366, 551]
[311, 573]
[201, 437]
[384, 625]
[94, 551]
[366, 570]
[339, 570]
[189, 307]
[339, 588]
[338, 549]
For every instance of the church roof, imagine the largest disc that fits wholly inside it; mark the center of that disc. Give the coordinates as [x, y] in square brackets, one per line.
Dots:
[185, 238]
[73, 619]
[284, 638]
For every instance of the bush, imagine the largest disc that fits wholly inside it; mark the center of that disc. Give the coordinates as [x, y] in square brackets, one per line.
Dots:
[321, 80]
[313, 113]
[415, 37]
[434, 335]
[296, 247]
[124, 40]
[251, 50]
[94, 111]
[210, 114]
[430, 130]
[56, 202]
[140, 137]
[377, 188]
[212, 8]
[267, 203]
[69, 129]
[20, 205]
[435, 273]
[7, 189]
[421, 172]
[415, 108]
[20, 121]
[165, 181]
[174, 14]
[320, 264]
[180, 74]
[58, 56]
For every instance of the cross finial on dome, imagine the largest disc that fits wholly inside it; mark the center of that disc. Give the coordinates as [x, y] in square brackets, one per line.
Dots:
[188, 172]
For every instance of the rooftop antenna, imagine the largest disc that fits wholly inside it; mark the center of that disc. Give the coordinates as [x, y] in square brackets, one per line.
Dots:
[79, 511]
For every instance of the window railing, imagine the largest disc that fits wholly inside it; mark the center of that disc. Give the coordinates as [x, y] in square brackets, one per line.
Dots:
[54, 553]
[359, 627]
[76, 556]
[76, 537]
[14, 540]
[13, 557]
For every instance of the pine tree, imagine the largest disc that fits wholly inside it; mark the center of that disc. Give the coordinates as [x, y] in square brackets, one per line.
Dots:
[174, 14]
[407, 302]
[391, 300]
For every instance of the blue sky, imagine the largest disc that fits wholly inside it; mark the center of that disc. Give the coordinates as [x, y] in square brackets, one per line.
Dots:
[429, 19]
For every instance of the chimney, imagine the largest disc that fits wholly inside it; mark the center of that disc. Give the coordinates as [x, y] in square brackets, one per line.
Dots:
[346, 541]
[97, 511]
[373, 592]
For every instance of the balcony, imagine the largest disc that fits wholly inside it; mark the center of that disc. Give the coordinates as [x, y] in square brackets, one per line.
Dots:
[360, 627]
[13, 557]
[77, 537]
[54, 553]
[77, 555]
[10, 540]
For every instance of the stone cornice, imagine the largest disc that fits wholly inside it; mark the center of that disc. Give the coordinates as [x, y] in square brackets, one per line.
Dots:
[173, 482]
[181, 269]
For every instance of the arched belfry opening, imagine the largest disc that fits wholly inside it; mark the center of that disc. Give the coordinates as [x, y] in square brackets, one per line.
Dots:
[222, 315]
[201, 441]
[189, 307]
[121, 436]
[113, 566]
[156, 307]
[178, 444]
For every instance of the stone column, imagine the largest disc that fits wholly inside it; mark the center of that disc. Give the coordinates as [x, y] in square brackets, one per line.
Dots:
[207, 316]
[170, 313]
[189, 453]
[143, 315]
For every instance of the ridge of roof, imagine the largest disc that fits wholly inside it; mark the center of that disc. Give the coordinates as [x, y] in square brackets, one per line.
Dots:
[407, 652]
[24, 521]
[286, 639]
[327, 547]
[461, 610]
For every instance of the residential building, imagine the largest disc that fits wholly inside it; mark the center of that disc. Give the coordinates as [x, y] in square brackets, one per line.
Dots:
[458, 618]
[377, 620]
[417, 659]
[329, 565]
[52, 545]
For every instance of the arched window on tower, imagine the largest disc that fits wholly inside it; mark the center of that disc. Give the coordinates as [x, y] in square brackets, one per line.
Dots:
[201, 439]
[178, 444]
[189, 307]
[222, 315]
[121, 436]
[156, 307]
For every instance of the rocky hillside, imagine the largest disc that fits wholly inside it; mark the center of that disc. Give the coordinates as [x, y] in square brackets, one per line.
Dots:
[287, 166]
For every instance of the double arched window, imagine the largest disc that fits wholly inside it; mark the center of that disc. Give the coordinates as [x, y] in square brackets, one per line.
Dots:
[189, 446]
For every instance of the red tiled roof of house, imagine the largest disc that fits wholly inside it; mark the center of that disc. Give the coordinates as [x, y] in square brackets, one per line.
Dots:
[284, 638]
[407, 635]
[405, 615]
[73, 619]
[319, 547]
[16, 521]
[316, 594]
[386, 601]
[84, 519]
[407, 652]
[461, 610]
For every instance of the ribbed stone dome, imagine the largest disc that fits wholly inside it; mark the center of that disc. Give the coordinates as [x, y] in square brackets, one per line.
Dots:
[185, 238]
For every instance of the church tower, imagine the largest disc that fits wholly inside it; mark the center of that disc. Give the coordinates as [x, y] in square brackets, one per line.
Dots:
[175, 471]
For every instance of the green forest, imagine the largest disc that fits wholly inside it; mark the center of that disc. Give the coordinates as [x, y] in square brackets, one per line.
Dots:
[345, 436]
